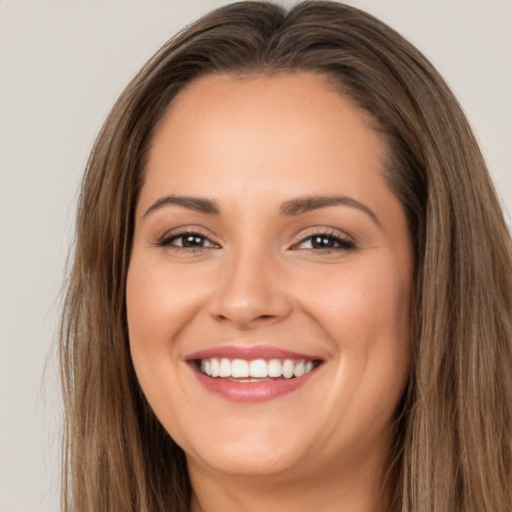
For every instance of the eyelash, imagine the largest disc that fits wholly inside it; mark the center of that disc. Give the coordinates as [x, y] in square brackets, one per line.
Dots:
[340, 243]
[167, 241]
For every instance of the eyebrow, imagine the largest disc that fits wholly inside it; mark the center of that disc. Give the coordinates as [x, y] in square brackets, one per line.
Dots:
[289, 208]
[310, 203]
[197, 204]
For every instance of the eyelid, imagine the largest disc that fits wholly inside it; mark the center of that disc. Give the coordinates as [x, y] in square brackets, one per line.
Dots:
[346, 241]
[164, 240]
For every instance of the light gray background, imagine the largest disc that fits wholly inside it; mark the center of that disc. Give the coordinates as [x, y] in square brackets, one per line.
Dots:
[63, 63]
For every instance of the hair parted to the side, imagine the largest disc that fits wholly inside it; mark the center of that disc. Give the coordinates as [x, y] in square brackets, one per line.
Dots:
[453, 449]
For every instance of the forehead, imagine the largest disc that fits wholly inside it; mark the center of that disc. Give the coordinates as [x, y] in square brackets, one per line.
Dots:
[228, 126]
[263, 98]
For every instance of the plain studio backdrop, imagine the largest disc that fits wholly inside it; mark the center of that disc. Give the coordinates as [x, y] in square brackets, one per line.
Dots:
[63, 63]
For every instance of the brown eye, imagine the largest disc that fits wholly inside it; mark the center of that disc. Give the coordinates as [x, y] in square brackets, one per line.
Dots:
[192, 241]
[325, 241]
[187, 241]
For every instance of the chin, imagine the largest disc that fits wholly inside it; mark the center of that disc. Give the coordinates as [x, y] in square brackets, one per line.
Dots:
[262, 464]
[261, 454]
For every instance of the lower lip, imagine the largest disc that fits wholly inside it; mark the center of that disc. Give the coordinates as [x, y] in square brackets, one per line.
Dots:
[251, 392]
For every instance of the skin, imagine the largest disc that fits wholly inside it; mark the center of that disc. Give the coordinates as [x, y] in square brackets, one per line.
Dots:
[251, 144]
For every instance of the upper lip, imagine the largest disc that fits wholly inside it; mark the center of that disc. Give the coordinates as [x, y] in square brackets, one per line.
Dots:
[249, 353]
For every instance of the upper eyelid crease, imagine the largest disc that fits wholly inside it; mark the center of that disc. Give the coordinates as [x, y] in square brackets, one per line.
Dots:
[344, 241]
[166, 241]
[181, 232]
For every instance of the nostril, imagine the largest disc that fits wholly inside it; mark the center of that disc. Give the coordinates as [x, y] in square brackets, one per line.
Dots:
[249, 309]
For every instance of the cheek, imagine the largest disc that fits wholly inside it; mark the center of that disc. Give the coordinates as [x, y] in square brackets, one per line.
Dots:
[158, 307]
[366, 315]
[163, 302]
[363, 304]
[159, 302]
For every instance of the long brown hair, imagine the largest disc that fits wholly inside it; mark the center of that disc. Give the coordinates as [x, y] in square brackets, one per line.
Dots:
[453, 449]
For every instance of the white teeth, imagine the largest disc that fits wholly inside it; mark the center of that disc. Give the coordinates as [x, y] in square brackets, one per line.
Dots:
[288, 368]
[215, 368]
[254, 370]
[239, 368]
[225, 368]
[258, 368]
[275, 368]
[299, 370]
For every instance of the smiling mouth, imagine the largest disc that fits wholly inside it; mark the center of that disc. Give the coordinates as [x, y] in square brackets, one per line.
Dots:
[252, 374]
[256, 370]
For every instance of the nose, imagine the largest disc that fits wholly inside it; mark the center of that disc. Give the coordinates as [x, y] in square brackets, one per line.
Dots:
[251, 293]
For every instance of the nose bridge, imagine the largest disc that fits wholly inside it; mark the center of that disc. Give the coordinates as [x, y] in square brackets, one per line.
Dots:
[250, 290]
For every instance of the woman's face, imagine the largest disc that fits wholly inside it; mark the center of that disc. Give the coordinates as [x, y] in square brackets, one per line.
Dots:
[268, 244]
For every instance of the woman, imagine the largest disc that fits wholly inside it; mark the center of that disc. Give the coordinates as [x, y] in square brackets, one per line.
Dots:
[292, 281]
